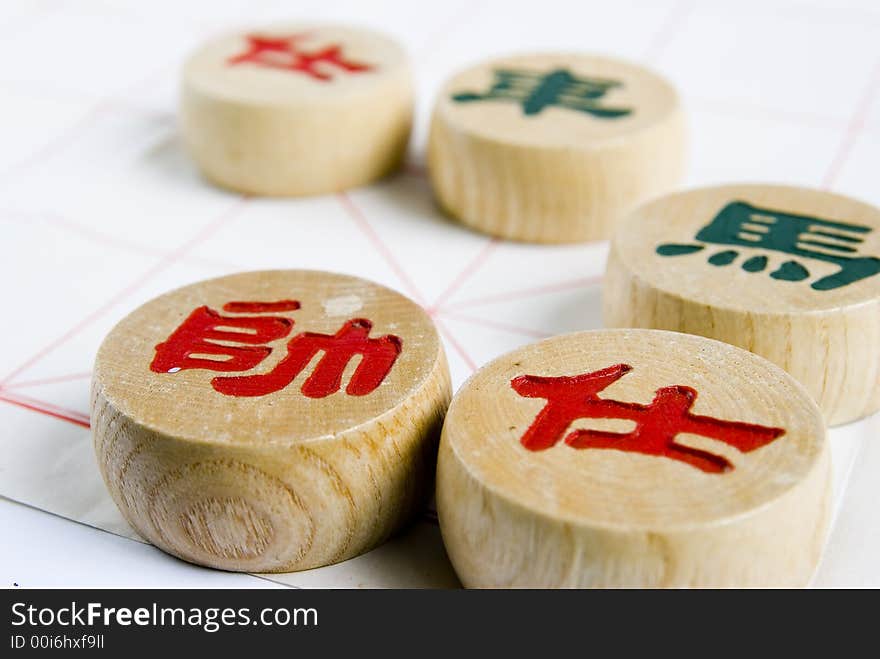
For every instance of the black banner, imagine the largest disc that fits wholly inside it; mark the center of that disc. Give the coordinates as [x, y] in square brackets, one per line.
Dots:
[390, 622]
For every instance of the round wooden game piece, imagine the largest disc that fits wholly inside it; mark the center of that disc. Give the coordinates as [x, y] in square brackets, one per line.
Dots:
[633, 458]
[270, 421]
[297, 109]
[791, 274]
[553, 148]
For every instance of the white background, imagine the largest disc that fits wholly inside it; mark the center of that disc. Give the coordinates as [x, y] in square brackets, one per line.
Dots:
[101, 210]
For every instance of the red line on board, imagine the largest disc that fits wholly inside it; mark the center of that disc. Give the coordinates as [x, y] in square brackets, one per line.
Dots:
[478, 262]
[854, 129]
[513, 329]
[43, 381]
[93, 100]
[745, 110]
[106, 239]
[97, 236]
[108, 104]
[361, 221]
[467, 10]
[168, 260]
[558, 287]
[71, 416]
[667, 30]
[455, 344]
[58, 142]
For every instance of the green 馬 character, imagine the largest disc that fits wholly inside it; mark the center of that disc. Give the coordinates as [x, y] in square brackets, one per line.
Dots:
[744, 225]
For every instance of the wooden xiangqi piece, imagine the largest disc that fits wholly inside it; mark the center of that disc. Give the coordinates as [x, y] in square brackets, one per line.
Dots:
[635, 458]
[270, 421]
[553, 148]
[297, 109]
[788, 273]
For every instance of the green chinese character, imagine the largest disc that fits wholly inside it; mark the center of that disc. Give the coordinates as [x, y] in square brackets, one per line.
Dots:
[744, 225]
[559, 88]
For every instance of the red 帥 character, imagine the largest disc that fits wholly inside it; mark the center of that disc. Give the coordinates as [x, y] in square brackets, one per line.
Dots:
[199, 333]
[377, 358]
[194, 344]
[570, 398]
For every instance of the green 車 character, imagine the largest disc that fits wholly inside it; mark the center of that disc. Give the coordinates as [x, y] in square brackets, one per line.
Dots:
[744, 225]
[559, 88]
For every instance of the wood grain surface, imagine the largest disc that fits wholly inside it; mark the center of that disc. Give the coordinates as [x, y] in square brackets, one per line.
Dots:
[791, 274]
[543, 483]
[209, 466]
[537, 157]
[319, 109]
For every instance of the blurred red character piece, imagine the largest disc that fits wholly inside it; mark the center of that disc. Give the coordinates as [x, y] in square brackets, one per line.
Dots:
[570, 398]
[284, 53]
[194, 345]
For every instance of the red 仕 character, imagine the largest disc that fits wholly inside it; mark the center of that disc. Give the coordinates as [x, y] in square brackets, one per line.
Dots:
[576, 397]
[193, 345]
[282, 53]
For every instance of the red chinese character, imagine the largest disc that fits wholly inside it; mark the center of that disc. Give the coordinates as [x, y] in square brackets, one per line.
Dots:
[194, 345]
[576, 397]
[282, 53]
[199, 333]
[377, 358]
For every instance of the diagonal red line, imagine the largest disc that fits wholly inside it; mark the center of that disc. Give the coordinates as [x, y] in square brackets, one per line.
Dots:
[53, 380]
[48, 409]
[469, 270]
[455, 344]
[674, 20]
[84, 231]
[854, 129]
[62, 140]
[438, 36]
[513, 329]
[384, 251]
[158, 267]
[36, 88]
[750, 110]
[102, 238]
[557, 287]
[59, 142]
